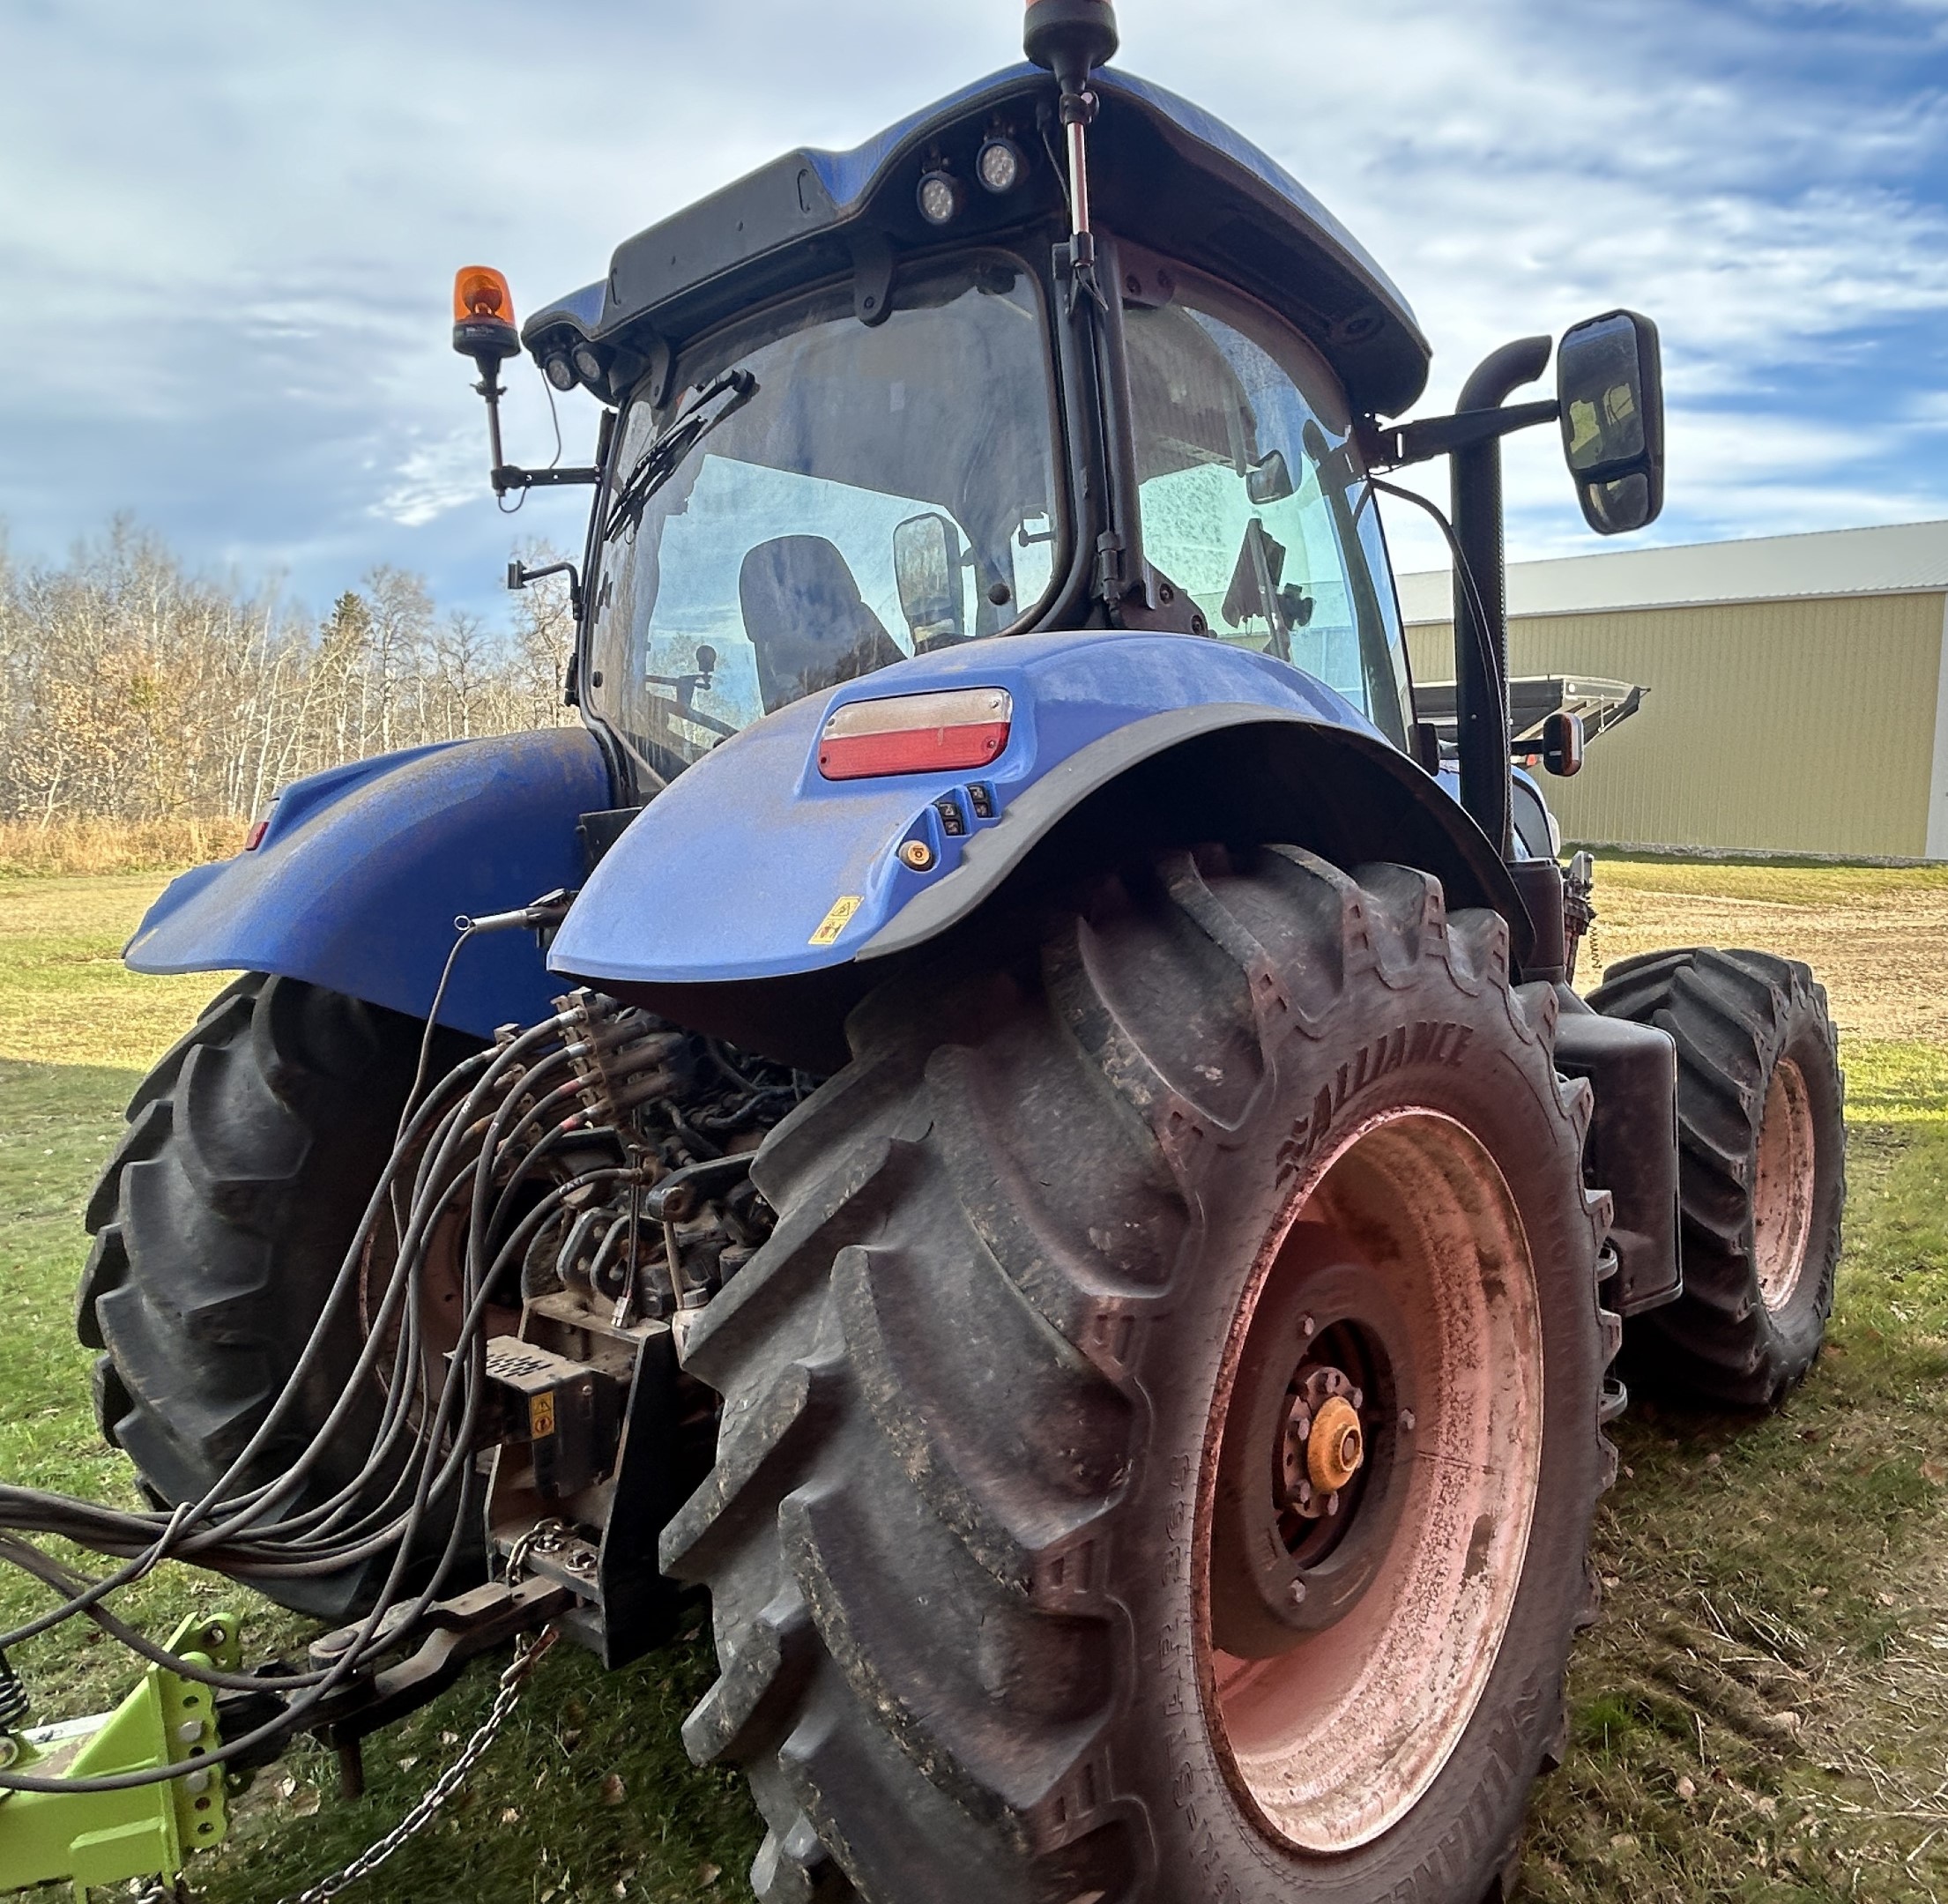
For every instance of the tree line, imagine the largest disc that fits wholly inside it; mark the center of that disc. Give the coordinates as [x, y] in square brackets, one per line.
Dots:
[133, 689]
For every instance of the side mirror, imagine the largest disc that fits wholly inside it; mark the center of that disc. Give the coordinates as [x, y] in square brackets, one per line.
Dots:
[928, 562]
[1611, 388]
[1563, 744]
[1269, 482]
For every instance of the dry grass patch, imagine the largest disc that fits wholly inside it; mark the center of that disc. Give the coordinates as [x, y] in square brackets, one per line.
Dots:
[1876, 936]
[94, 846]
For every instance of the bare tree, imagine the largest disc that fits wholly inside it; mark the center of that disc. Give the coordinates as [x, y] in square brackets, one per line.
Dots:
[133, 689]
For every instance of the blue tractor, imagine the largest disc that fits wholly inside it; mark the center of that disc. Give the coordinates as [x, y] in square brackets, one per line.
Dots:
[1001, 1104]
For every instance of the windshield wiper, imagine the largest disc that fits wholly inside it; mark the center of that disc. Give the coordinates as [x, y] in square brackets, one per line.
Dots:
[660, 462]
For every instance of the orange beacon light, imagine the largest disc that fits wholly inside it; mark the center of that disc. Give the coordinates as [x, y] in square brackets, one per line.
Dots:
[483, 317]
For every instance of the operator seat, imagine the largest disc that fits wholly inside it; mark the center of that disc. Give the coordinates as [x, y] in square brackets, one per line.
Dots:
[807, 622]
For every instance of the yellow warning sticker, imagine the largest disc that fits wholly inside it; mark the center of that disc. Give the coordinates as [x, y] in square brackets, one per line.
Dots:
[838, 920]
[540, 1416]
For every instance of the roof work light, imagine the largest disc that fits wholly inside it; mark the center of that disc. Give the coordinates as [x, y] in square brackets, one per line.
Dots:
[940, 196]
[1001, 165]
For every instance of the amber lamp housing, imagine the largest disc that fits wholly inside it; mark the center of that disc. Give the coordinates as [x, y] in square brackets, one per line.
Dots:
[483, 317]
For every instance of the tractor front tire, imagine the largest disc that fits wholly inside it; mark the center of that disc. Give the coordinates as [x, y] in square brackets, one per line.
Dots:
[219, 1224]
[1161, 1438]
[1761, 1171]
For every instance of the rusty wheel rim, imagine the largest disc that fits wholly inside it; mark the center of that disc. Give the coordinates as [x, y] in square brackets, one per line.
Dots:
[1782, 1194]
[440, 1302]
[1331, 1742]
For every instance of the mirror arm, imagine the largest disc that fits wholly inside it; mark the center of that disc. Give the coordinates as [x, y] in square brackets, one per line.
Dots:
[1481, 651]
[506, 477]
[502, 474]
[519, 575]
[1423, 440]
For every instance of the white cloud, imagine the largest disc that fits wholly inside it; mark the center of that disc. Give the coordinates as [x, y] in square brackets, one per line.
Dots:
[431, 477]
[231, 228]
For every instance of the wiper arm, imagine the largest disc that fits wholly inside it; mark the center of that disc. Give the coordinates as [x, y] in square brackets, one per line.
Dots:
[660, 461]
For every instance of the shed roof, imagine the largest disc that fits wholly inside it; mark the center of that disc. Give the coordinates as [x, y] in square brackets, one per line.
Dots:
[1902, 559]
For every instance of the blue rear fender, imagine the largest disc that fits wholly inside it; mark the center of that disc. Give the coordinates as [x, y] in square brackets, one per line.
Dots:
[757, 899]
[362, 870]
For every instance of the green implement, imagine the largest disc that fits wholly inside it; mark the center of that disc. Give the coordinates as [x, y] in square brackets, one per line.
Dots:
[105, 1837]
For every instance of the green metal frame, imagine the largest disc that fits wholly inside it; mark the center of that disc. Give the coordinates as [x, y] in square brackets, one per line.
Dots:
[104, 1838]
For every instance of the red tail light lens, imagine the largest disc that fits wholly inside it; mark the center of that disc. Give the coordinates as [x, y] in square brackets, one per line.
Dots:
[947, 733]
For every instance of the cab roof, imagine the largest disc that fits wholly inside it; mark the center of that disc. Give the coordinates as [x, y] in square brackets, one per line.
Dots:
[1164, 175]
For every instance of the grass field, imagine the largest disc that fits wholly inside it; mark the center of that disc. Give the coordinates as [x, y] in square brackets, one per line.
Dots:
[1761, 1714]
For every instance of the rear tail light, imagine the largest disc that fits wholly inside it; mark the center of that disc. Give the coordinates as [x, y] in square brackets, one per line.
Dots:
[261, 825]
[915, 734]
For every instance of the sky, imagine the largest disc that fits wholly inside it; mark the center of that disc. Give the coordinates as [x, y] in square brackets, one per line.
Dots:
[228, 230]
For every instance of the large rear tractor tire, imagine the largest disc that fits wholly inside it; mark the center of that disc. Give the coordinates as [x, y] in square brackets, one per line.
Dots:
[1762, 1170]
[1161, 1438]
[219, 1223]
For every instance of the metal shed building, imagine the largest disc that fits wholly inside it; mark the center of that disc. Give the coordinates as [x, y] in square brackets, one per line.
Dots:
[1798, 685]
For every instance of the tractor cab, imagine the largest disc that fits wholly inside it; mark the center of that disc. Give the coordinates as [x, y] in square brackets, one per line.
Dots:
[868, 407]
[1037, 358]
[870, 493]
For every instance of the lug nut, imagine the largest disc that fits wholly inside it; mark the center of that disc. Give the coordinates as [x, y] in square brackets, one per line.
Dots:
[1298, 1593]
[1308, 1327]
[1407, 1421]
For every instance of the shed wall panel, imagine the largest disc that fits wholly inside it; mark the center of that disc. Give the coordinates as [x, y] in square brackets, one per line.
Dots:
[1804, 726]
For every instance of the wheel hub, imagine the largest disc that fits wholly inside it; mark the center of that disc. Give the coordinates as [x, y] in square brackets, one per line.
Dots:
[1337, 1445]
[1309, 1491]
[1323, 1444]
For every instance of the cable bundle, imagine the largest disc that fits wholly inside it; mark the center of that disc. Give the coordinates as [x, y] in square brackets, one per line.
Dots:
[580, 1109]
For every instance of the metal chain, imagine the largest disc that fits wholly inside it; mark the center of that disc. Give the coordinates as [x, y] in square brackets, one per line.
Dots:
[527, 1656]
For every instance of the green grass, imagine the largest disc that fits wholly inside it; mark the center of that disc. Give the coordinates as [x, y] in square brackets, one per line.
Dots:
[65, 996]
[1896, 1080]
[1760, 1715]
[1773, 881]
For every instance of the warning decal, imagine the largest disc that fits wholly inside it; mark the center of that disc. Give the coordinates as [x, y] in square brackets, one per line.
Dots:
[838, 920]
